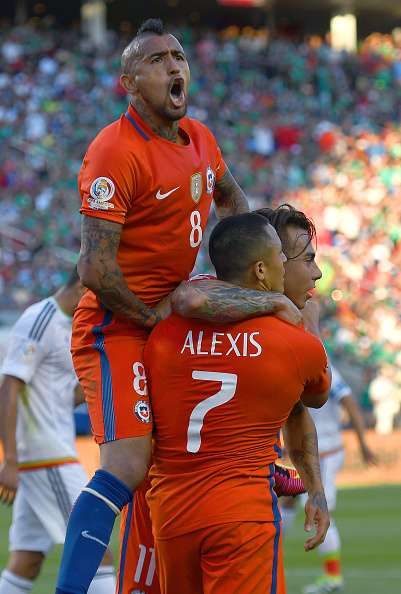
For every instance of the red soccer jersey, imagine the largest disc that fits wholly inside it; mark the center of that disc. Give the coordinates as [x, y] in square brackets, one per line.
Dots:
[220, 395]
[159, 191]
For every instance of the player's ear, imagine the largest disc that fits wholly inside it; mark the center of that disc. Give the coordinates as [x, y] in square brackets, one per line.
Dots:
[259, 269]
[127, 82]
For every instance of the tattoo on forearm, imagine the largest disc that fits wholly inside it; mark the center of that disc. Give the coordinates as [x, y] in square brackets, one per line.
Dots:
[228, 197]
[99, 245]
[319, 501]
[224, 303]
[306, 459]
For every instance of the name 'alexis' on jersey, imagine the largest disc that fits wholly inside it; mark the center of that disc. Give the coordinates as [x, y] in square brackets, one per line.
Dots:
[242, 344]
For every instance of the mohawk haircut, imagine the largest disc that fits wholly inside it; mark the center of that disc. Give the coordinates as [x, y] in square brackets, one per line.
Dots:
[285, 216]
[130, 53]
[153, 26]
[237, 242]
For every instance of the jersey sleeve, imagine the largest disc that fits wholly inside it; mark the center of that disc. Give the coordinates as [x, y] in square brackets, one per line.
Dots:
[24, 354]
[314, 366]
[106, 181]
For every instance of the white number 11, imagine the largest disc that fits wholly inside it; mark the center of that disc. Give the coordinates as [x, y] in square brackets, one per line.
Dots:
[226, 392]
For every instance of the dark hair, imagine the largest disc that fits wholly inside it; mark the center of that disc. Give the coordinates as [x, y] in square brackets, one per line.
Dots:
[72, 279]
[236, 242]
[130, 53]
[285, 216]
[153, 26]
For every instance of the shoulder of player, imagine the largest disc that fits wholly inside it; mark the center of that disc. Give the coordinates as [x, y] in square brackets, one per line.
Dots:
[193, 126]
[116, 141]
[35, 320]
[295, 334]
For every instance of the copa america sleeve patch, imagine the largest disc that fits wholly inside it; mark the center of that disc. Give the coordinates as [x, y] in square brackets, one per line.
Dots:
[101, 192]
[142, 411]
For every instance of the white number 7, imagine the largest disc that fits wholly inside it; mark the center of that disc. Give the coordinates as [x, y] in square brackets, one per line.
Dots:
[227, 391]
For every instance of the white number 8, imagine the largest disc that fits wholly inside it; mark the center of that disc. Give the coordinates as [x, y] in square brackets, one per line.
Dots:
[196, 232]
[139, 382]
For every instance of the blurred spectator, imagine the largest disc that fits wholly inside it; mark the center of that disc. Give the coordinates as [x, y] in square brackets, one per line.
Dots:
[298, 123]
[385, 393]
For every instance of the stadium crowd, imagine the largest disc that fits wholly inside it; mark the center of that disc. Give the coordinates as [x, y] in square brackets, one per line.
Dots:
[297, 122]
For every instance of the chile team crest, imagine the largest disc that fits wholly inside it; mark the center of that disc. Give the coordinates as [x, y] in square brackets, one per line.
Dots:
[101, 191]
[142, 411]
[210, 180]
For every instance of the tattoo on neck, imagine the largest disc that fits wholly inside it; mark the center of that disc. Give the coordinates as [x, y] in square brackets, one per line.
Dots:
[168, 131]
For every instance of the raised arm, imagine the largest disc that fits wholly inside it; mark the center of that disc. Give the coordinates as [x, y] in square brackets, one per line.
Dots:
[300, 439]
[9, 391]
[228, 197]
[100, 272]
[218, 301]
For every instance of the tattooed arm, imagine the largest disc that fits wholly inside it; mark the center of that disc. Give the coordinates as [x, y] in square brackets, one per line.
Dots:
[228, 197]
[218, 301]
[100, 272]
[300, 439]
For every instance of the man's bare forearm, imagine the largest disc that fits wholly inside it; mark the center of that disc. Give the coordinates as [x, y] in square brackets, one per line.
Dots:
[100, 272]
[229, 198]
[114, 293]
[217, 301]
[300, 439]
[9, 391]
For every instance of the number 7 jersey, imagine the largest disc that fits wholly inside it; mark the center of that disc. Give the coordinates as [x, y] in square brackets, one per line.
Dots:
[220, 395]
[159, 191]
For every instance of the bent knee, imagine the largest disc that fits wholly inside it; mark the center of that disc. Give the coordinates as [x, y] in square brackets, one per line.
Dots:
[127, 459]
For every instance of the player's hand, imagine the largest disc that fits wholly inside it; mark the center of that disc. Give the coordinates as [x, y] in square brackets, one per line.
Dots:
[163, 308]
[286, 310]
[368, 456]
[316, 517]
[8, 482]
[311, 316]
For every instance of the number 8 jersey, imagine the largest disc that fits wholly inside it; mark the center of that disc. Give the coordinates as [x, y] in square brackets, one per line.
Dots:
[159, 191]
[220, 395]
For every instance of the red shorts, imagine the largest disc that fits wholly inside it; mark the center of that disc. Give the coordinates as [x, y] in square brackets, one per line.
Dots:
[137, 551]
[238, 557]
[108, 360]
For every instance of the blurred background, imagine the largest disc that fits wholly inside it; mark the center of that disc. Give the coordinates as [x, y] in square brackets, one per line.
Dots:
[305, 101]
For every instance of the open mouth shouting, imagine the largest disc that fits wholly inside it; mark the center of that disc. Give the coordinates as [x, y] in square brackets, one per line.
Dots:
[177, 92]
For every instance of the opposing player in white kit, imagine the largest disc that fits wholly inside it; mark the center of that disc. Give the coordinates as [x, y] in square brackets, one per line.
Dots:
[40, 471]
[331, 452]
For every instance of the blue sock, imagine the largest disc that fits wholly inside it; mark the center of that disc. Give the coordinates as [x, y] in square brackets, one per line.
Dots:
[89, 529]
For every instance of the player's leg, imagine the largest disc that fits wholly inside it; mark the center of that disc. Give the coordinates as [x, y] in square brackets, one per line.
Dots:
[108, 362]
[330, 549]
[22, 569]
[245, 558]
[178, 562]
[28, 543]
[137, 549]
[60, 486]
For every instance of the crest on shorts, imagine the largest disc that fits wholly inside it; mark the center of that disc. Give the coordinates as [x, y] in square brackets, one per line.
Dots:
[101, 191]
[210, 180]
[142, 411]
[196, 186]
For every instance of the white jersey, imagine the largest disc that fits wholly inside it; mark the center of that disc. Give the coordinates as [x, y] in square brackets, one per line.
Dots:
[327, 419]
[38, 353]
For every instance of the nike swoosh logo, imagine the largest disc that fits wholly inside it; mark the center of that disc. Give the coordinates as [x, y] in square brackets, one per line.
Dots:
[86, 534]
[161, 196]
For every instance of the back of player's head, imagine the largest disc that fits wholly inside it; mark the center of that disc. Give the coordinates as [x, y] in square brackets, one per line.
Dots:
[131, 52]
[237, 242]
[285, 216]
